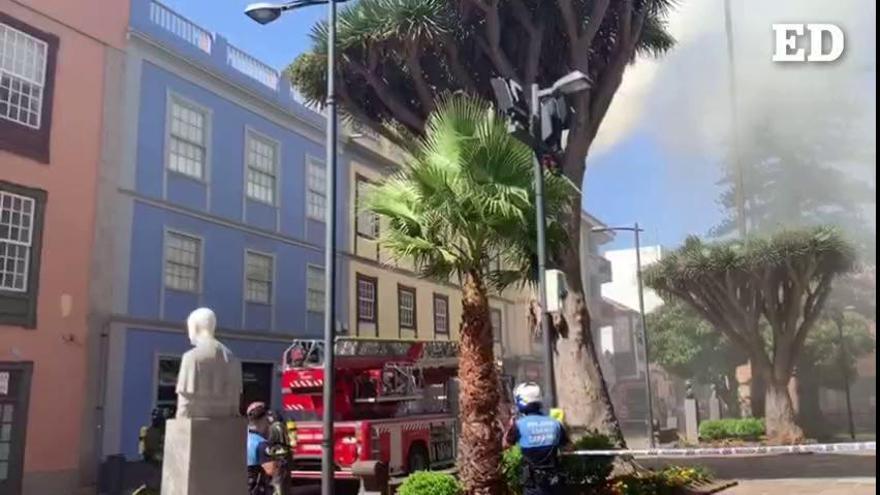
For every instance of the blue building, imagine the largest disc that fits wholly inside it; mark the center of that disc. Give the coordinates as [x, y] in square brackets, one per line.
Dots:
[217, 200]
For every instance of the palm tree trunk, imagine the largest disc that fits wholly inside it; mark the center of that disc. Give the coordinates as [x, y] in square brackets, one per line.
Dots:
[479, 461]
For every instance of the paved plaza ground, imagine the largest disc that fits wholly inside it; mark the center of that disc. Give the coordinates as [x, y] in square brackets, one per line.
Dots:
[803, 474]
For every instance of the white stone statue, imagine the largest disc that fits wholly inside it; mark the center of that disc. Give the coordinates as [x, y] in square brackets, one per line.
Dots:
[209, 384]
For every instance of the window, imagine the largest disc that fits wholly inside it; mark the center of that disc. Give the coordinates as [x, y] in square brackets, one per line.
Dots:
[21, 225]
[259, 278]
[317, 288]
[22, 76]
[367, 304]
[182, 262]
[367, 221]
[406, 307]
[187, 146]
[16, 236]
[495, 320]
[441, 315]
[316, 192]
[262, 166]
[27, 76]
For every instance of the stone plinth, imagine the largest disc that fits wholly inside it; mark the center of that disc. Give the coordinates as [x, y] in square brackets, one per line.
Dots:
[205, 456]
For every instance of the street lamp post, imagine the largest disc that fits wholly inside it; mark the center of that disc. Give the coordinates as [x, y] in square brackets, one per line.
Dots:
[636, 230]
[265, 13]
[844, 372]
[510, 101]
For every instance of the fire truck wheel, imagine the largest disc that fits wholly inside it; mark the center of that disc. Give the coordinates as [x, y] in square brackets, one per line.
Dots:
[417, 460]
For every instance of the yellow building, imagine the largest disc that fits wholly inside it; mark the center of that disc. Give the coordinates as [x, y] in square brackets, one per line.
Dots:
[388, 299]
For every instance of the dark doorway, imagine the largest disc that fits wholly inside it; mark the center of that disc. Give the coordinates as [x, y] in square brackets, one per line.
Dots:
[15, 389]
[257, 379]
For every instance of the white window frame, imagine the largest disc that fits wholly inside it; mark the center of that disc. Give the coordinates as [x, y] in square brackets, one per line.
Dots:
[409, 291]
[247, 278]
[367, 221]
[39, 82]
[18, 242]
[374, 308]
[310, 289]
[251, 136]
[199, 261]
[440, 297]
[207, 118]
[321, 192]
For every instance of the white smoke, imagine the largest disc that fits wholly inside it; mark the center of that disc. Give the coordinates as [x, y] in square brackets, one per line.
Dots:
[682, 99]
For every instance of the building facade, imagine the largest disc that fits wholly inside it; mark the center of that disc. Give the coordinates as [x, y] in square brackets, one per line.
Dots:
[60, 68]
[218, 200]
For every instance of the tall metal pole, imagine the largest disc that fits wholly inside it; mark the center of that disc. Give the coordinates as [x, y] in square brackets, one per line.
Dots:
[845, 374]
[535, 131]
[327, 441]
[739, 181]
[648, 391]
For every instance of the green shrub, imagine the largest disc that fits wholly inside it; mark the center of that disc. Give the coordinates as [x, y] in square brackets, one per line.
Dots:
[428, 483]
[511, 465]
[589, 470]
[732, 429]
[669, 481]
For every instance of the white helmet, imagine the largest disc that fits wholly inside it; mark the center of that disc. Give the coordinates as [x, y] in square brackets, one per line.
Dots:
[527, 395]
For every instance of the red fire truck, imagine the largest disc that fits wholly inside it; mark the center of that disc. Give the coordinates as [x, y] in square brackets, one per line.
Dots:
[396, 402]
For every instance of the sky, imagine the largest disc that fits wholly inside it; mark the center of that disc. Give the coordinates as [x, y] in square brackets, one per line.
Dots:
[662, 146]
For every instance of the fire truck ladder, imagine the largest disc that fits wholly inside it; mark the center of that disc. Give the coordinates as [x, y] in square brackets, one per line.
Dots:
[399, 381]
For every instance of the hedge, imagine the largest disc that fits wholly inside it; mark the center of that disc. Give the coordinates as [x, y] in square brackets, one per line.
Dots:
[732, 429]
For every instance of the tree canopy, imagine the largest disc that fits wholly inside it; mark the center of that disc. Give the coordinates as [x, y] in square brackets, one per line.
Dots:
[687, 345]
[467, 200]
[783, 280]
[398, 55]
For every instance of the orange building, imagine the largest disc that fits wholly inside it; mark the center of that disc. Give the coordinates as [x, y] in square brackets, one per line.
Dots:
[60, 67]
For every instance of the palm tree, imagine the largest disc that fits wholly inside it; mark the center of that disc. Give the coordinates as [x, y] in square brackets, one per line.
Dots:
[464, 199]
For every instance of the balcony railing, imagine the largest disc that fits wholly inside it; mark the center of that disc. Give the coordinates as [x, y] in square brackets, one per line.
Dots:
[251, 67]
[181, 27]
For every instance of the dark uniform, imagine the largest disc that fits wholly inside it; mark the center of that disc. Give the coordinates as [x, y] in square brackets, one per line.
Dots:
[539, 437]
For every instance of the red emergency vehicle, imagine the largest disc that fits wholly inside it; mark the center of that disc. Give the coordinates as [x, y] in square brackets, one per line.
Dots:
[396, 402]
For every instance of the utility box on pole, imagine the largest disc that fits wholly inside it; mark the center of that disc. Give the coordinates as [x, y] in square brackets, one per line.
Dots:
[556, 290]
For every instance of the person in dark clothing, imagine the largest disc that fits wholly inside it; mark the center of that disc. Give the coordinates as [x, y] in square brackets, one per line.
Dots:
[540, 438]
[261, 466]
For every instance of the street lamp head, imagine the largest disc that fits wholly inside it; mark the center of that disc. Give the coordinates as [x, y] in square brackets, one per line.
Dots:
[573, 82]
[263, 12]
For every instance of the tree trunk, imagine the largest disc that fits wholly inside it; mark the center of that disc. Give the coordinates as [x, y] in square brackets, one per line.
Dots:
[479, 461]
[729, 394]
[809, 412]
[757, 393]
[780, 417]
[580, 386]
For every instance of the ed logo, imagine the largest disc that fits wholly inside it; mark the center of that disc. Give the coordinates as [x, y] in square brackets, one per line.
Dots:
[787, 49]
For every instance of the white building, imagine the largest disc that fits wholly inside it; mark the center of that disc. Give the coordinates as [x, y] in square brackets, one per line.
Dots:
[624, 287]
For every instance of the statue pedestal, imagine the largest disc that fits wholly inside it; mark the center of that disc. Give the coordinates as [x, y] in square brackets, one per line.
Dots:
[205, 456]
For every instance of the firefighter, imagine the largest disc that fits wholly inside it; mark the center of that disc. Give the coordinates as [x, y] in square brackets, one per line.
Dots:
[540, 437]
[152, 440]
[280, 445]
[262, 466]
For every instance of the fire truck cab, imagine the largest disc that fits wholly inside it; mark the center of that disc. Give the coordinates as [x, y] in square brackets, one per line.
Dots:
[395, 401]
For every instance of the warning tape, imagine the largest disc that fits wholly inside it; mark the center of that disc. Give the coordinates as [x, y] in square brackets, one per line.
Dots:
[733, 451]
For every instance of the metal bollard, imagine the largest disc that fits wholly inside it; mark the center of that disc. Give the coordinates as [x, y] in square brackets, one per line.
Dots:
[373, 476]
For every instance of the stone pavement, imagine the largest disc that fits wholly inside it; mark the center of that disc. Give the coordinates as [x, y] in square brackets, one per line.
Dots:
[801, 486]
